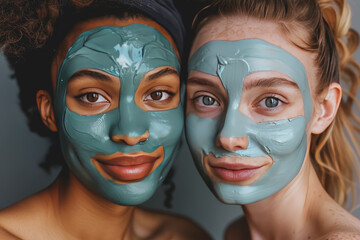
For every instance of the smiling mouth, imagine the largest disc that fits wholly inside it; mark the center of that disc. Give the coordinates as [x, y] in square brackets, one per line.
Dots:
[237, 170]
[128, 167]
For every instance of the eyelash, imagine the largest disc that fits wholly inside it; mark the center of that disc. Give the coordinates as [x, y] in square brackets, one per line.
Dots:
[201, 106]
[262, 103]
[215, 102]
[168, 96]
[83, 98]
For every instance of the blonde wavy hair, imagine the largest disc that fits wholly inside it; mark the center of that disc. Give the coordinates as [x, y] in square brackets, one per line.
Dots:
[328, 34]
[336, 164]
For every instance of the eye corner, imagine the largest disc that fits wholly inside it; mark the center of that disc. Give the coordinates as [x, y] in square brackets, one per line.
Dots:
[90, 102]
[158, 100]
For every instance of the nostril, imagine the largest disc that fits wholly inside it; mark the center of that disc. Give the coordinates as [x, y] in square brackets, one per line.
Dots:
[143, 141]
[144, 137]
[119, 139]
[244, 142]
[124, 139]
[130, 140]
[233, 143]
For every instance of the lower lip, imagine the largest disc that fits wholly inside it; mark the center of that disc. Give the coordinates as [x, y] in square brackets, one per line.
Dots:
[128, 173]
[235, 175]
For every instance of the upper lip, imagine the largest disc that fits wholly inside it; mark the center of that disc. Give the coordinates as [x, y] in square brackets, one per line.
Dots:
[237, 163]
[127, 159]
[233, 166]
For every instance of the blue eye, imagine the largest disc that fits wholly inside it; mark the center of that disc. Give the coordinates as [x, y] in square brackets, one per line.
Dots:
[208, 101]
[271, 102]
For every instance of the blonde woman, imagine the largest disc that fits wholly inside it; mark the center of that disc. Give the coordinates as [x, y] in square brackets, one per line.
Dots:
[266, 121]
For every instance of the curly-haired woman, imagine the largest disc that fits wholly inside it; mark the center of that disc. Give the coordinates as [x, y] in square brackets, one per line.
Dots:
[103, 77]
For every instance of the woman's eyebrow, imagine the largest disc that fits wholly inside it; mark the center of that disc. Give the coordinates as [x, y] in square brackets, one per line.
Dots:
[201, 81]
[92, 74]
[162, 72]
[268, 82]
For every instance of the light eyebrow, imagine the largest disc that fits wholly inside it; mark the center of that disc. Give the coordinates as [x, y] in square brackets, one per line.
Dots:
[93, 74]
[269, 82]
[161, 73]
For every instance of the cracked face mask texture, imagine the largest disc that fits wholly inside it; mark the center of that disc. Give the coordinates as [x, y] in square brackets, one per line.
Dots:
[284, 141]
[128, 53]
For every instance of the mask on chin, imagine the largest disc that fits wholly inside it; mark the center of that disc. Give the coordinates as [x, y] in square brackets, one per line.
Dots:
[283, 141]
[128, 53]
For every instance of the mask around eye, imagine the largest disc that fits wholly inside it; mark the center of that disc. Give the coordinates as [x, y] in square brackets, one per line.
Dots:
[107, 166]
[282, 142]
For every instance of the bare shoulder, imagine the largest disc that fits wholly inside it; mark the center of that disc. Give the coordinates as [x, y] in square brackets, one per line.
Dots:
[238, 229]
[22, 218]
[340, 224]
[171, 226]
[5, 234]
[341, 235]
[8, 224]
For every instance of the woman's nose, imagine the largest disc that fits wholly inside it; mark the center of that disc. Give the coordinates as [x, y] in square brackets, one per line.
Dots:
[233, 143]
[130, 140]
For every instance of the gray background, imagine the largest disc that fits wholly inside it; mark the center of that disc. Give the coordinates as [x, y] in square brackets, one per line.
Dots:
[21, 151]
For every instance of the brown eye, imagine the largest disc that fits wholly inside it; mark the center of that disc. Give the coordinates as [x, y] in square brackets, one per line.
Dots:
[92, 97]
[160, 97]
[156, 95]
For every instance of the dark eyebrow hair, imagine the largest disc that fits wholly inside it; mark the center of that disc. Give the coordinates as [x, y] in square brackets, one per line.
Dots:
[269, 82]
[202, 81]
[161, 73]
[92, 74]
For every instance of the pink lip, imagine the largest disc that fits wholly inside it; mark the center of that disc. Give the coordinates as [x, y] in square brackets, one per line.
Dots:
[235, 172]
[242, 170]
[232, 166]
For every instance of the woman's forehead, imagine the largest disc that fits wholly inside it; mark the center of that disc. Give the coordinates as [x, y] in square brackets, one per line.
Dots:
[238, 27]
[126, 52]
[82, 27]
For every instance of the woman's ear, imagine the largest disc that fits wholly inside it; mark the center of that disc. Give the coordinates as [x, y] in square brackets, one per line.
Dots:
[44, 104]
[327, 109]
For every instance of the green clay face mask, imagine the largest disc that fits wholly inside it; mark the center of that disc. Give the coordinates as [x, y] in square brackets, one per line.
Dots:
[285, 141]
[128, 53]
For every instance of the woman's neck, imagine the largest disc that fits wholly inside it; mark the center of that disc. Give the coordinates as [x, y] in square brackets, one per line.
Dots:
[82, 214]
[291, 213]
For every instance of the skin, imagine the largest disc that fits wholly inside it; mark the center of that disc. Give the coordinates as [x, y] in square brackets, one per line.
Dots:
[67, 208]
[126, 134]
[302, 209]
[273, 142]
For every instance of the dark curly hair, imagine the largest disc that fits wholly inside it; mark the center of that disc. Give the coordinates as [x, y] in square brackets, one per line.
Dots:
[31, 32]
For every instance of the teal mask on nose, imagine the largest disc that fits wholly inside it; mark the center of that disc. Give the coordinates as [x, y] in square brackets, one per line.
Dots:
[128, 53]
[285, 141]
